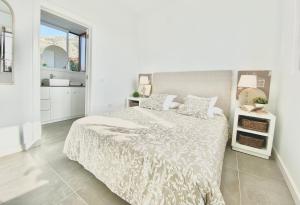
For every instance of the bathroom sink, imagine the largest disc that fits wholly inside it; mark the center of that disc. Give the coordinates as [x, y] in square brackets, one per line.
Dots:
[55, 82]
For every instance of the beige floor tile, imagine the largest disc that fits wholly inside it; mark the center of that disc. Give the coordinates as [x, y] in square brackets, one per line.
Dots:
[263, 191]
[258, 166]
[230, 186]
[35, 186]
[17, 166]
[230, 160]
[71, 172]
[73, 199]
[96, 193]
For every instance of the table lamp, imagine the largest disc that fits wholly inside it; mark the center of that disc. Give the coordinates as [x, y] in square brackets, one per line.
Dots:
[144, 80]
[249, 82]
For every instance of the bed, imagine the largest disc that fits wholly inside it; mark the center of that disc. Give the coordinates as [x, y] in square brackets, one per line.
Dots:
[154, 157]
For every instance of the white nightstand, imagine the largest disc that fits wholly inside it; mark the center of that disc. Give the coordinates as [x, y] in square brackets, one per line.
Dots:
[264, 152]
[133, 101]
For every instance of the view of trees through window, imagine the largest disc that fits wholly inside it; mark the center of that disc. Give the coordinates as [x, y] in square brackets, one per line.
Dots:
[73, 44]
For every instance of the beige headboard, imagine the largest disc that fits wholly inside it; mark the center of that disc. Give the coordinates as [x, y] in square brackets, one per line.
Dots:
[199, 83]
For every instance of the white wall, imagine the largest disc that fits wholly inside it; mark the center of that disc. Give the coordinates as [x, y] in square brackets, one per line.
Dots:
[198, 34]
[287, 139]
[185, 35]
[16, 100]
[214, 34]
[114, 63]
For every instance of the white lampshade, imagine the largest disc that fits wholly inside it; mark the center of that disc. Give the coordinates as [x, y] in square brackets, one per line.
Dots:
[248, 81]
[144, 80]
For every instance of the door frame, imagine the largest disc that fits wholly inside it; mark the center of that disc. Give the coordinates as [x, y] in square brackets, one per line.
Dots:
[60, 12]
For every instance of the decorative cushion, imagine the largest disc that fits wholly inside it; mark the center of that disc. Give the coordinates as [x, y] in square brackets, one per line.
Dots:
[154, 102]
[174, 105]
[195, 106]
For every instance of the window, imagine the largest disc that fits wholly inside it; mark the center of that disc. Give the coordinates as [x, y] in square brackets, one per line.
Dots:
[82, 41]
[73, 51]
[73, 44]
[52, 36]
[6, 39]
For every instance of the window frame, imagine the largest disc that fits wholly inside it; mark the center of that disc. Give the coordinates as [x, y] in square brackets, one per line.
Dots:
[80, 51]
[67, 44]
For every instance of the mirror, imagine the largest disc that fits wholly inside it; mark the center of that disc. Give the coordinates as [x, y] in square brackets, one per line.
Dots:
[6, 43]
[54, 57]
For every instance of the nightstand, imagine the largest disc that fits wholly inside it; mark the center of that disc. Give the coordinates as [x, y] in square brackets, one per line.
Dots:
[133, 101]
[243, 137]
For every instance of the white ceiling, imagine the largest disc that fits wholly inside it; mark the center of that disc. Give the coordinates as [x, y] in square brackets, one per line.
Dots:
[144, 6]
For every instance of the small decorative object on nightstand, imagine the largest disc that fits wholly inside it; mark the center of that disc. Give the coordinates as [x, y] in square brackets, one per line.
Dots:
[136, 94]
[133, 101]
[253, 132]
[260, 102]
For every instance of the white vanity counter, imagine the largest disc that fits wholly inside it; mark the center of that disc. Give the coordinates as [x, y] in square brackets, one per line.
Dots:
[62, 103]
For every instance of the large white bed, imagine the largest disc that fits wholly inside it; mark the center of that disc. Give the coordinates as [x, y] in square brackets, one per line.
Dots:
[151, 157]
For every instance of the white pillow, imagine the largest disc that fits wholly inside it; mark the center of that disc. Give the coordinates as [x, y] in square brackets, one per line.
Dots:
[157, 101]
[211, 105]
[174, 105]
[218, 111]
[168, 101]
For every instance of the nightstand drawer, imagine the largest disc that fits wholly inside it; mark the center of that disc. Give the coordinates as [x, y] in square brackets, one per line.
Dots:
[251, 140]
[133, 101]
[255, 124]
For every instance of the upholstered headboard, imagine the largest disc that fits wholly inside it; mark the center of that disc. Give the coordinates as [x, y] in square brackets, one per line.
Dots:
[199, 83]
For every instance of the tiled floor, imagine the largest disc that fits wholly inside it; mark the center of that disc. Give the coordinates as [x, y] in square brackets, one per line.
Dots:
[45, 176]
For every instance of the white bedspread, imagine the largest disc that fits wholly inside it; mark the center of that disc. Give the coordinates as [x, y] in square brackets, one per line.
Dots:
[152, 157]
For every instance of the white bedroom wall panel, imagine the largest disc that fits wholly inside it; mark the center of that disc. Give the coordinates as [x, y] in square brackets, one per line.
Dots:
[16, 100]
[287, 136]
[211, 34]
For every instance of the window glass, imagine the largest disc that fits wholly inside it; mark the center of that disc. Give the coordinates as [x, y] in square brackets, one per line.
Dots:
[6, 39]
[60, 48]
[74, 52]
[51, 36]
[82, 52]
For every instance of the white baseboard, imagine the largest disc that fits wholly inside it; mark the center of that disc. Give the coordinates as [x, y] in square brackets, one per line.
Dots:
[19, 138]
[287, 177]
[10, 138]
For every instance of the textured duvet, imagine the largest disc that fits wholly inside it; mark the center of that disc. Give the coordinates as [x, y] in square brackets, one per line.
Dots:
[152, 157]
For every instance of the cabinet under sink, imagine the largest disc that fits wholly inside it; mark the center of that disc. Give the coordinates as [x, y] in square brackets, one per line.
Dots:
[55, 82]
[62, 103]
